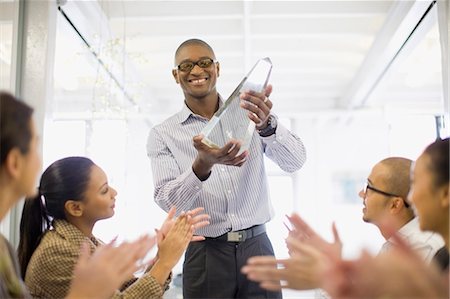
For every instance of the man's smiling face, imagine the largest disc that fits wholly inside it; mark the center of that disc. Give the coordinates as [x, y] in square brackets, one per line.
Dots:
[198, 82]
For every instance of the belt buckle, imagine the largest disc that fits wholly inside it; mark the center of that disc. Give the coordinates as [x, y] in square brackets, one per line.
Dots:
[239, 236]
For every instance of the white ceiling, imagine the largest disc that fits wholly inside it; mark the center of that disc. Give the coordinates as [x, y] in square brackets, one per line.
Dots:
[326, 55]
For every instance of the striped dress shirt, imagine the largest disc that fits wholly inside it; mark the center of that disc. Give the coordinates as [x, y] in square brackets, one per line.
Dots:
[235, 197]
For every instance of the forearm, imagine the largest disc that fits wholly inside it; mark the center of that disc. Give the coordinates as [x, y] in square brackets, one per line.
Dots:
[145, 287]
[201, 169]
[286, 149]
[161, 272]
[180, 192]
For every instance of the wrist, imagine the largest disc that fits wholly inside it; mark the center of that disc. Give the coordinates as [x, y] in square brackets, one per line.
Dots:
[269, 128]
[160, 271]
[201, 169]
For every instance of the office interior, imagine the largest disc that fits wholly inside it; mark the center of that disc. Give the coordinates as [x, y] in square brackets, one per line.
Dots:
[358, 81]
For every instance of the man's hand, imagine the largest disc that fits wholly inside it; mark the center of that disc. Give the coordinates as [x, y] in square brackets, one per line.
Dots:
[304, 233]
[258, 106]
[208, 156]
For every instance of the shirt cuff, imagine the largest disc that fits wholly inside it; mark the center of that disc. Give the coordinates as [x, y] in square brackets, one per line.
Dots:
[280, 134]
[192, 181]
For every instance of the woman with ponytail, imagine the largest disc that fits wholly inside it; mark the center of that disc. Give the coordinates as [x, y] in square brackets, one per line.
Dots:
[73, 195]
[96, 275]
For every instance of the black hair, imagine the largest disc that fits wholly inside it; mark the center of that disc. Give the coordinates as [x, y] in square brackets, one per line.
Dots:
[193, 41]
[15, 129]
[438, 152]
[65, 179]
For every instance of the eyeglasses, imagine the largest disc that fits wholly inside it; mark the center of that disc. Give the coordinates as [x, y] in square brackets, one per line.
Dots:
[187, 66]
[368, 187]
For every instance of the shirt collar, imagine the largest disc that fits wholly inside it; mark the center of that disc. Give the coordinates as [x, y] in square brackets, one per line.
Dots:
[186, 113]
[71, 233]
[409, 228]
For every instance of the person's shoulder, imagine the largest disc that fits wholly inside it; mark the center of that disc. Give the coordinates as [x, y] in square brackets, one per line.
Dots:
[168, 123]
[53, 244]
[428, 238]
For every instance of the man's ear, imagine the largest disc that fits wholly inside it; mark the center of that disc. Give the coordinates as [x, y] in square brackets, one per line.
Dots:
[175, 76]
[218, 69]
[397, 204]
[74, 208]
[14, 163]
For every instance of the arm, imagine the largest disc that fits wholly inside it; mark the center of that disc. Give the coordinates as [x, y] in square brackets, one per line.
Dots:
[181, 187]
[153, 283]
[99, 275]
[173, 186]
[283, 147]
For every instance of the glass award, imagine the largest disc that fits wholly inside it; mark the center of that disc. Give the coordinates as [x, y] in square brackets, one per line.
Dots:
[231, 121]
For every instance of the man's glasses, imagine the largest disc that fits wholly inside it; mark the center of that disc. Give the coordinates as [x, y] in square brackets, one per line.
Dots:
[187, 66]
[368, 187]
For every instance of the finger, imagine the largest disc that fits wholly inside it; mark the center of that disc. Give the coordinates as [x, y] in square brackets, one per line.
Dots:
[271, 285]
[301, 225]
[262, 272]
[257, 119]
[337, 238]
[240, 163]
[148, 242]
[238, 159]
[196, 210]
[198, 138]
[262, 260]
[233, 151]
[268, 90]
[201, 224]
[259, 106]
[199, 218]
[294, 245]
[286, 225]
[198, 238]
[171, 213]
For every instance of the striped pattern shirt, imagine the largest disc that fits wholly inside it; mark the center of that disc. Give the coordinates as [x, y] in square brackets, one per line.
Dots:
[235, 197]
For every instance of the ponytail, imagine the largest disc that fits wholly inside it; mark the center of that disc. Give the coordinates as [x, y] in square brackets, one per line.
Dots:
[65, 179]
[33, 224]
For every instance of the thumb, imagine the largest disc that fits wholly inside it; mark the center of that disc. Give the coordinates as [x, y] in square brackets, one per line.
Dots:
[159, 236]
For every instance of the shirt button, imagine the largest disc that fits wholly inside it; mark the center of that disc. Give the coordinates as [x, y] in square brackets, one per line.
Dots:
[197, 187]
[274, 142]
[229, 191]
[223, 168]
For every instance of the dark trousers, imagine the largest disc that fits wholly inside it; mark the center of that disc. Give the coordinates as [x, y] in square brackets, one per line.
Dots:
[212, 269]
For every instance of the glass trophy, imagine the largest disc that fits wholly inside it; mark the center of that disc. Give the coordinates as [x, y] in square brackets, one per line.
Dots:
[231, 121]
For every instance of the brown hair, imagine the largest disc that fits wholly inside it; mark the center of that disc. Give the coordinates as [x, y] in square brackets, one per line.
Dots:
[15, 130]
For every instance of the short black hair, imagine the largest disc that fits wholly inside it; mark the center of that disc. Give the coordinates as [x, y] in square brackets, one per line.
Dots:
[193, 41]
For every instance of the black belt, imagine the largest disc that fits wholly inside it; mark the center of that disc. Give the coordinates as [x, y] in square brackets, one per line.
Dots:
[242, 235]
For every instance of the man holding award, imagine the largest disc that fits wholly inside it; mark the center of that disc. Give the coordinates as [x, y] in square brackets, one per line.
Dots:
[222, 169]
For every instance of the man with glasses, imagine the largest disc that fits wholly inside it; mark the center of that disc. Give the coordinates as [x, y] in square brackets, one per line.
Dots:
[232, 188]
[385, 201]
[385, 196]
